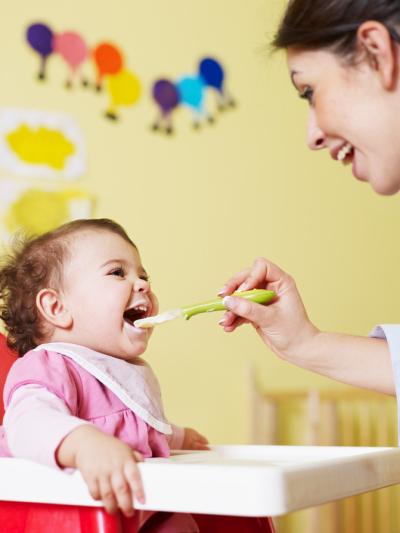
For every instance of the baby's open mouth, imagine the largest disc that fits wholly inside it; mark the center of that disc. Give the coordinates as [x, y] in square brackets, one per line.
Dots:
[135, 313]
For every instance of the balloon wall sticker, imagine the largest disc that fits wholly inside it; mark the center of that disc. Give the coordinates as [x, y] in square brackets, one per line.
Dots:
[74, 51]
[44, 152]
[190, 91]
[122, 86]
[40, 39]
[37, 208]
[41, 144]
[108, 61]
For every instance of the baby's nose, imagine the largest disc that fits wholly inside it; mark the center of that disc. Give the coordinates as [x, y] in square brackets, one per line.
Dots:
[141, 285]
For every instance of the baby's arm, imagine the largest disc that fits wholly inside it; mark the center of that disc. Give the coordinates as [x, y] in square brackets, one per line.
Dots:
[186, 439]
[39, 427]
[107, 464]
[35, 423]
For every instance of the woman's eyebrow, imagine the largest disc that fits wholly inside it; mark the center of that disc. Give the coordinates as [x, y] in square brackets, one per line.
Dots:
[292, 75]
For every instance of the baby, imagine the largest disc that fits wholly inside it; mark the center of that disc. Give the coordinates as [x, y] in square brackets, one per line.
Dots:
[81, 396]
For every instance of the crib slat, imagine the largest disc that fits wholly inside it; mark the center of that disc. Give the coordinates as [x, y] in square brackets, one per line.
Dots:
[347, 417]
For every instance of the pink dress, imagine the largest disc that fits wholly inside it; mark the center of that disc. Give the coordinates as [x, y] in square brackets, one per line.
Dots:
[47, 394]
[86, 399]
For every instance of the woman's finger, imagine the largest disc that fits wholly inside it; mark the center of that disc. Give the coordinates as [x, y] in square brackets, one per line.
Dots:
[262, 273]
[234, 282]
[252, 312]
[257, 277]
[230, 321]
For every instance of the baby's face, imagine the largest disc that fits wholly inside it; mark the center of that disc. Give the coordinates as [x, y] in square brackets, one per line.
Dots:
[106, 288]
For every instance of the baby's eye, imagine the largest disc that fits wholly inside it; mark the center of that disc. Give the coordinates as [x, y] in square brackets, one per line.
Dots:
[119, 272]
[307, 94]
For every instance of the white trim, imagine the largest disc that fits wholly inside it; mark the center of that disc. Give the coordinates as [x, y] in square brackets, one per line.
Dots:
[107, 380]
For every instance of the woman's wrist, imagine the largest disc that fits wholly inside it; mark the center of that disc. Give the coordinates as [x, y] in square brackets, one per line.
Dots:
[354, 360]
[310, 349]
[305, 348]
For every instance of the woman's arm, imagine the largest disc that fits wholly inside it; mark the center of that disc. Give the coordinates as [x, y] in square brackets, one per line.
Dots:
[359, 361]
[285, 328]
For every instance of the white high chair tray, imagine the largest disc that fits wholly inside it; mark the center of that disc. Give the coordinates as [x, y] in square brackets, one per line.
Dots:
[229, 480]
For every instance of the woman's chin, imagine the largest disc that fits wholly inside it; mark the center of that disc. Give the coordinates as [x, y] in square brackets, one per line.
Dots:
[385, 187]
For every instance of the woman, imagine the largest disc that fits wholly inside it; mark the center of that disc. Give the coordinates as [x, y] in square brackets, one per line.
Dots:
[344, 59]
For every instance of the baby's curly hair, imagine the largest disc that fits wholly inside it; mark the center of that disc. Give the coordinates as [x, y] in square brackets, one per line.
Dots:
[35, 263]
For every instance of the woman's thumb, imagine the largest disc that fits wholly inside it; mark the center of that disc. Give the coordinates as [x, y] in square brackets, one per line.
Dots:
[251, 311]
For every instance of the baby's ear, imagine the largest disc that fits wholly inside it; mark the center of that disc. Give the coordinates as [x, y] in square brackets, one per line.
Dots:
[52, 308]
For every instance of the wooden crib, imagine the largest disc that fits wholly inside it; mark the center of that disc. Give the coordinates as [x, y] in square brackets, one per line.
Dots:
[344, 417]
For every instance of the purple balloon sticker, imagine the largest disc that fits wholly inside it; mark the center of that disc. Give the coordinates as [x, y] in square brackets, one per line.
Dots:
[40, 39]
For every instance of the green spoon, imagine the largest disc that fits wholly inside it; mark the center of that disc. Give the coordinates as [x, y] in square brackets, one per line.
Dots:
[260, 296]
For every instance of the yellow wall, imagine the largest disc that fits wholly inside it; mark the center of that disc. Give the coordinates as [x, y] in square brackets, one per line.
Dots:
[203, 204]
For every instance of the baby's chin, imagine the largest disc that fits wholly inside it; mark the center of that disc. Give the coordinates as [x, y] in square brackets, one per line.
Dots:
[130, 354]
[135, 349]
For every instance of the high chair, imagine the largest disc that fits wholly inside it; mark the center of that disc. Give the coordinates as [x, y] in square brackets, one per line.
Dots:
[39, 499]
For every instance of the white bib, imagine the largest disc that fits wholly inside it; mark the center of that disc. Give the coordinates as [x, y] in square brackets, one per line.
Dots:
[135, 384]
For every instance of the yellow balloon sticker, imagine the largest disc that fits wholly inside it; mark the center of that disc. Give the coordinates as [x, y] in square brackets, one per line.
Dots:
[124, 89]
[41, 144]
[36, 209]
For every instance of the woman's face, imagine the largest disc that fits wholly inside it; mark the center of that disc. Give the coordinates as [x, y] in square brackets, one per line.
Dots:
[352, 114]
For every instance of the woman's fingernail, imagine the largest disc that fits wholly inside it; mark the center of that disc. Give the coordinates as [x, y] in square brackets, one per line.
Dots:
[222, 322]
[222, 290]
[227, 300]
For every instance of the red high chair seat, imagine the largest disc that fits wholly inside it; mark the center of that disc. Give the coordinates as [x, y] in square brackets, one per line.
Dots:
[34, 517]
[7, 357]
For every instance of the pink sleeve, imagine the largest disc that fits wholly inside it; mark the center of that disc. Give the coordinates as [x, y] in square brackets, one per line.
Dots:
[175, 440]
[36, 422]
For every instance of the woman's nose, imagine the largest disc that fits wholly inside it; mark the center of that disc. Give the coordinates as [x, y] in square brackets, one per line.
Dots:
[315, 136]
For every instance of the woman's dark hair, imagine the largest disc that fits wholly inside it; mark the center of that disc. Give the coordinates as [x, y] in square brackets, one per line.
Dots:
[35, 263]
[314, 24]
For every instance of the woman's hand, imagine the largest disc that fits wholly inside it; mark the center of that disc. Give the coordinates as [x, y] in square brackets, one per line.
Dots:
[283, 325]
[193, 440]
[108, 465]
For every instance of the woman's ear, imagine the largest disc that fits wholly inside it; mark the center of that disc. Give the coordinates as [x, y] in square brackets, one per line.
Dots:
[52, 308]
[374, 38]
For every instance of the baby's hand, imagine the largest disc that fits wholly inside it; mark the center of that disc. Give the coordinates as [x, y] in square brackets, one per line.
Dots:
[193, 440]
[108, 465]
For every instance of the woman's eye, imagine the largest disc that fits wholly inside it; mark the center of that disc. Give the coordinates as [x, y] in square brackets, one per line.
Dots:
[119, 272]
[145, 277]
[307, 94]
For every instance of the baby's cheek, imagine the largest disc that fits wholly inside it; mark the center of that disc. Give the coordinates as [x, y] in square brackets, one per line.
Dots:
[154, 304]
